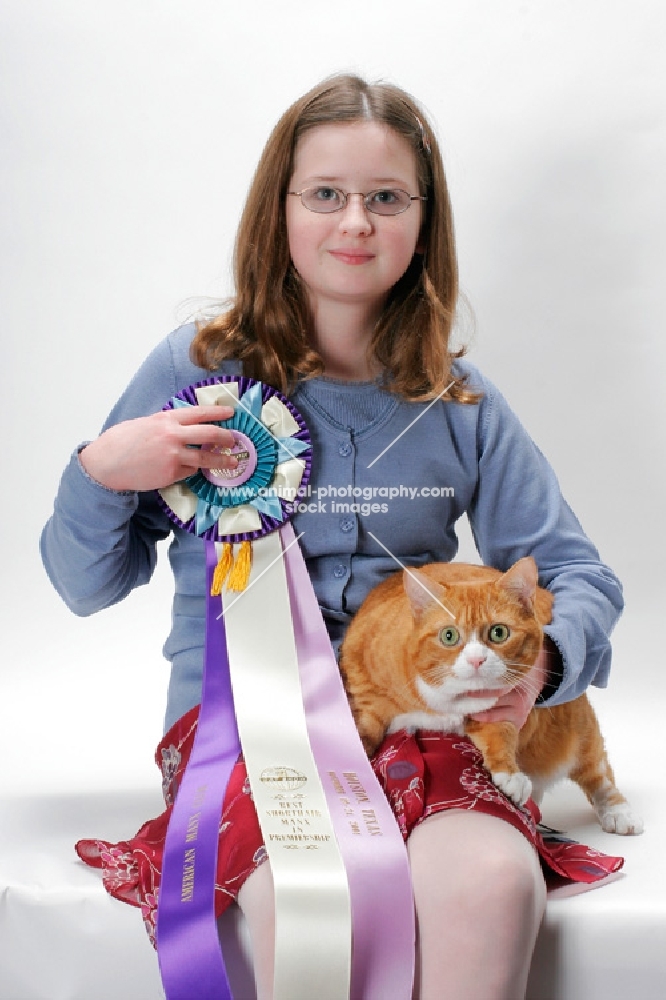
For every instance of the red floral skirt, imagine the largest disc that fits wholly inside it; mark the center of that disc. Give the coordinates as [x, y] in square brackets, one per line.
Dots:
[421, 774]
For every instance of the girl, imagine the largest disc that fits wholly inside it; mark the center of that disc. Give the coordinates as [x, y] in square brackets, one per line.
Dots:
[346, 288]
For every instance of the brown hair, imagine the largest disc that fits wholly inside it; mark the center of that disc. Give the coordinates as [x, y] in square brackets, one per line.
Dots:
[267, 325]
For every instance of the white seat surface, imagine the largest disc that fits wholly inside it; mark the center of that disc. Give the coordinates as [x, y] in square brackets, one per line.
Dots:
[63, 938]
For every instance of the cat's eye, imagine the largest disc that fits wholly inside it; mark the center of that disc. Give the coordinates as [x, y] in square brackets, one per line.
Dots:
[499, 633]
[449, 636]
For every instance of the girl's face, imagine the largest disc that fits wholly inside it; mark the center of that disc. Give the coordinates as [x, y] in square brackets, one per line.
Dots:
[352, 256]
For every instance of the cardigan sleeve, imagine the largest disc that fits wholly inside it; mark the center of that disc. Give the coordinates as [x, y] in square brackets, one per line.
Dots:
[517, 510]
[99, 543]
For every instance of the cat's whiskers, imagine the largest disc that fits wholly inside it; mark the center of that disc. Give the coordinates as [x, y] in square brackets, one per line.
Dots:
[523, 683]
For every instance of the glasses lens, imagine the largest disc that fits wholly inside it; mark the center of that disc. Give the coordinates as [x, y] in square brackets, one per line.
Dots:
[388, 201]
[323, 199]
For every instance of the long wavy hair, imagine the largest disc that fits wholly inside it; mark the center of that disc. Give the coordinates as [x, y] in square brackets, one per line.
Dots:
[267, 324]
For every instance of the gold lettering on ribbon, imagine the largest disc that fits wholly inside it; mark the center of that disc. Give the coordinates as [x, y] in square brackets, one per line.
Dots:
[294, 824]
[351, 797]
[187, 885]
[292, 814]
[335, 781]
[371, 822]
[316, 837]
[355, 786]
[192, 828]
[189, 857]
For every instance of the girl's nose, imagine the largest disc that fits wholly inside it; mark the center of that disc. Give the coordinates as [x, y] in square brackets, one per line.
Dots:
[354, 217]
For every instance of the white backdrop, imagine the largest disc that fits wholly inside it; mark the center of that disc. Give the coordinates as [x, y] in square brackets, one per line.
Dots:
[128, 134]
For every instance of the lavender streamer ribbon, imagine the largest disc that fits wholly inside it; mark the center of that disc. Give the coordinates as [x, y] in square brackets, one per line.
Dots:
[377, 866]
[190, 958]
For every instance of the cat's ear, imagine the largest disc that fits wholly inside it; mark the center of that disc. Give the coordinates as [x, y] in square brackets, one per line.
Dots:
[521, 581]
[423, 592]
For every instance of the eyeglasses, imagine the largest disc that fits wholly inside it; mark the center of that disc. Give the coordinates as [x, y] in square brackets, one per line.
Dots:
[384, 201]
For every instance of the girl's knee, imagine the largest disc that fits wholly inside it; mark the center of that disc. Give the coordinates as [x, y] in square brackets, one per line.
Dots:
[508, 876]
[462, 858]
[511, 861]
[511, 876]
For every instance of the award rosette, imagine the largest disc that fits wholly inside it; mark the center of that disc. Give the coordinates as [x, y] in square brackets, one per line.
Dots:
[273, 450]
[272, 688]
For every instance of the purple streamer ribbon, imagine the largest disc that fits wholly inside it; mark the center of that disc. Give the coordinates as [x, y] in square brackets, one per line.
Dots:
[189, 953]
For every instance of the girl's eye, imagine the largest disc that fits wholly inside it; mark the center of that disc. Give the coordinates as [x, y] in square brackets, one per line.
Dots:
[449, 636]
[388, 201]
[385, 197]
[326, 194]
[499, 633]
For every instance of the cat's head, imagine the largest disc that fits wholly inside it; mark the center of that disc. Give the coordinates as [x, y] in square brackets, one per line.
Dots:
[472, 635]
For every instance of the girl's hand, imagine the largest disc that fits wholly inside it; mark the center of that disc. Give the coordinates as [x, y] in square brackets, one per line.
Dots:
[515, 705]
[151, 452]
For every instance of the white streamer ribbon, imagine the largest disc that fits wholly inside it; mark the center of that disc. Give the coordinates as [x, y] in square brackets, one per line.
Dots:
[313, 929]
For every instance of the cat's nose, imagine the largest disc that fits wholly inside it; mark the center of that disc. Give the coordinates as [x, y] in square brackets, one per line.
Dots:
[477, 660]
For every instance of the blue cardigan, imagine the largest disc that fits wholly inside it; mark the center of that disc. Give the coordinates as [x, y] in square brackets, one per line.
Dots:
[401, 472]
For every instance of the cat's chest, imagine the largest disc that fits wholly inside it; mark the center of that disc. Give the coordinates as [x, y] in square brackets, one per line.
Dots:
[413, 721]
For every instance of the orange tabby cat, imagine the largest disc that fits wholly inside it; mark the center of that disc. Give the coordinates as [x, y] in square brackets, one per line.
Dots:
[424, 641]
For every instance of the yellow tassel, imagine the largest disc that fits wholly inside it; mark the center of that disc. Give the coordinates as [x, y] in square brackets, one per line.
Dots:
[240, 573]
[221, 570]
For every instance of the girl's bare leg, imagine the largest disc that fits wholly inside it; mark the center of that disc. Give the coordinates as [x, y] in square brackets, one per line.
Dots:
[480, 898]
[256, 901]
[479, 895]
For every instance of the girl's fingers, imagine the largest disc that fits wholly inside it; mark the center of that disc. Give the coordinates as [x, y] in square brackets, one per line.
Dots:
[207, 447]
[200, 414]
[195, 431]
[209, 434]
[148, 453]
[198, 458]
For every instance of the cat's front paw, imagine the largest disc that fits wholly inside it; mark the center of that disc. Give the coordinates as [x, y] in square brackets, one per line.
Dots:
[620, 819]
[515, 785]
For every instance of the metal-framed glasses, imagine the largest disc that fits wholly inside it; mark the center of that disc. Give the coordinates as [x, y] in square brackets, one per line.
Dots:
[384, 201]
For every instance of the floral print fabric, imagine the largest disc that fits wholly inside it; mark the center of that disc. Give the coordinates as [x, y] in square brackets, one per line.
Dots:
[429, 771]
[132, 869]
[421, 774]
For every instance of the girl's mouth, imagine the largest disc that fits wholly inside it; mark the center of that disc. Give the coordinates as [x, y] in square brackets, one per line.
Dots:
[352, 256]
